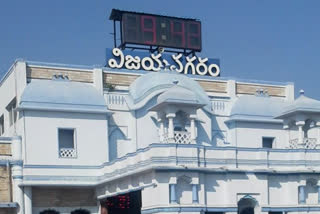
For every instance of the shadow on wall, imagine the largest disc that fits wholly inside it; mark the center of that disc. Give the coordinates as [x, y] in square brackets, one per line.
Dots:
[184, 187]
[115, 138]
[203, 136]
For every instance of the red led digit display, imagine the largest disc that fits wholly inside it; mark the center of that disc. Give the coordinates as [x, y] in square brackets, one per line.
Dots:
[131, 27]
[164, 31]
[148, 29]
[178, 33]
[194, 35]
[129, 203]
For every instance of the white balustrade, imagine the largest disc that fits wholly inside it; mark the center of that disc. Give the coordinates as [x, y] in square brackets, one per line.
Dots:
[68, 153]
[116, 101]
[180, 137]
[308, 143]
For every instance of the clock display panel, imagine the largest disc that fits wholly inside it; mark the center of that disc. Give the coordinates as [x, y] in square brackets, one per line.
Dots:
[146, 29]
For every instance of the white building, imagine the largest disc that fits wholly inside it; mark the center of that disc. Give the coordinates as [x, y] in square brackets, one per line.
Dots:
[165, 142]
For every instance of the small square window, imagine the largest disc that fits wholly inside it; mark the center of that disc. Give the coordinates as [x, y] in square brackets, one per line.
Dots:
[267, 142]
[1, 125]
[67, 143]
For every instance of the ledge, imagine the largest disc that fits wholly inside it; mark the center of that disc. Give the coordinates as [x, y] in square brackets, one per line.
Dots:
[8, 205]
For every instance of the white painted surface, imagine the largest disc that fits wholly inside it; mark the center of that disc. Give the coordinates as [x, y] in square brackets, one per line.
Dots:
[227, 160]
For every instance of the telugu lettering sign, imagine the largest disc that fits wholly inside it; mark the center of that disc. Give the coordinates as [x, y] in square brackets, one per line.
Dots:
[156, 62]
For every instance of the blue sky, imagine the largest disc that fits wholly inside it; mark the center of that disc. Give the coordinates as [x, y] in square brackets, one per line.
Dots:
[264, 40]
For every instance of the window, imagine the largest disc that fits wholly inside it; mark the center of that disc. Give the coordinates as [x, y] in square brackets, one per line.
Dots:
[12, 112]
[267, 142]
[67, 143]
[1, 125]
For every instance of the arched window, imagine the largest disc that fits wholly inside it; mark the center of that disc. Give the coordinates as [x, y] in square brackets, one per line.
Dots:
[49, 211]
[180, 121]
[247, 205]
[80, 211]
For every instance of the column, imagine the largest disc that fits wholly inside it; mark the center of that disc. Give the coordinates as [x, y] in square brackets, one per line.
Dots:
[301, 196]
[318, 194]
[192, 128]
[231, 85]
[161, 130]
[98, 79]
[16, 189]
[16, 172]
[300, 124]
[28, 199]
[172, 196]
[195, 198]
[170, 117]
[286, 127]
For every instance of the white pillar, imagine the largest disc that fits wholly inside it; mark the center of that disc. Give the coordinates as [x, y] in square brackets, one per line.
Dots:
[300, 124]
[17, 189]
[173, 198]
[192, 128]
[318, 194]
[16, 172]
[302, 198]
[98, 79]
[161, 131]
[170, 117]
[195, 198]
[28, 199]
[16, 148]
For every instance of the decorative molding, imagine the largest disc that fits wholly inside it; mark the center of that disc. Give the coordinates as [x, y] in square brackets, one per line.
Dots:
[48, 73]
[189, 209]
[245, 88]
[291, 209]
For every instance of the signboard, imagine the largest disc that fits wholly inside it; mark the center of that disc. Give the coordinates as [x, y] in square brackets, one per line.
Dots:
[129, 203]
[117, 58]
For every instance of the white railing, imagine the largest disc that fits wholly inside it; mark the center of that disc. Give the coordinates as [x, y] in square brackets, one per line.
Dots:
[68, 153]
[116, 101]
[308, 143]
[180, 137]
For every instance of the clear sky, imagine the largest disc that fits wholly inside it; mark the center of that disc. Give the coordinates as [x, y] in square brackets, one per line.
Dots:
[276, 40]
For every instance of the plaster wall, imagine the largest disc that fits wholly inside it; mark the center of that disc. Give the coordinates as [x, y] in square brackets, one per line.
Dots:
[122, 134]
[42, 146]
[147, 130]
[249, 134]
[204, 130]
[8, 91]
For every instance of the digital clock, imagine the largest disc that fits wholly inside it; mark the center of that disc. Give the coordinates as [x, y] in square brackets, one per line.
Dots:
[160, 31]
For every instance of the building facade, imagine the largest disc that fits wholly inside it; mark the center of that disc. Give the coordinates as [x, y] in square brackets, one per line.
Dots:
[77, 139]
